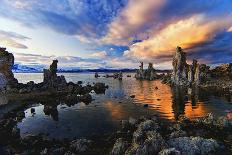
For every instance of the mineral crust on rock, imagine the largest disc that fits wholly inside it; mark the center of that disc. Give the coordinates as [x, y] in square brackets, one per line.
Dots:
[147, 74]
[6, 65]
[184, 74]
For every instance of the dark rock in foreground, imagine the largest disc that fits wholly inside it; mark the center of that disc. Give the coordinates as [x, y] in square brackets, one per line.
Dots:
[143, 136]
[150, 136]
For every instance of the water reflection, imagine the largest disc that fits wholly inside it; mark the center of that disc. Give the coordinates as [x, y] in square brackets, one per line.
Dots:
[186, 102]
[68, 118]
[178, 102]
[116, 110]
[51, 110]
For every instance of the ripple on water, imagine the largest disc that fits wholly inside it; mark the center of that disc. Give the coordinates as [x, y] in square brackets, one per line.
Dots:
[104, 114]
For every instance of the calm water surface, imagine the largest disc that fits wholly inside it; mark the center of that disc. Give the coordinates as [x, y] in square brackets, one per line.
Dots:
[103, 115]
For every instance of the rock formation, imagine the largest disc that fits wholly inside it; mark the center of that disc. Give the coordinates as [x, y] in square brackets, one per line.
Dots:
[140, 72]
[6, 65]
[96, 75]
[120, 75]
[224, 70]
[51, 80]
[183, 73]
[148, 74]
[117, 75]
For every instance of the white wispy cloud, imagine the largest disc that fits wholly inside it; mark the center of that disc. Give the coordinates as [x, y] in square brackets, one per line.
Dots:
[12, 39]
[185, 33]
[98, 55]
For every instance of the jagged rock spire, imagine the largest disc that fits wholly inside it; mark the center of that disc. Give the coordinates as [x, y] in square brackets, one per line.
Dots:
[184, 74]
[6, 65]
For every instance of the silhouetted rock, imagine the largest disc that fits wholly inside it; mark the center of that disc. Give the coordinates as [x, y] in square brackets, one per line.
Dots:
[51, 80]
[148, 74]
[86, 98]
[99, 88]
[6, 65]
[52, 111]
[145, 105]
[96, 75]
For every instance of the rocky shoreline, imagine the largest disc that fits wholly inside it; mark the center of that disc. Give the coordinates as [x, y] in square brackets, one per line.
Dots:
[52, 85]
[151, 135]
[147, 135]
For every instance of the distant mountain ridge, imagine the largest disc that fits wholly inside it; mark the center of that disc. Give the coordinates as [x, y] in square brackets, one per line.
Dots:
[18, 68]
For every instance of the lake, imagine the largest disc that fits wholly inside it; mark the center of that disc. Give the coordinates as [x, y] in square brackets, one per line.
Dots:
[104, 114]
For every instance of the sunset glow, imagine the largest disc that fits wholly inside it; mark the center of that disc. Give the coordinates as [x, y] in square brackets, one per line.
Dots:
[103, 34]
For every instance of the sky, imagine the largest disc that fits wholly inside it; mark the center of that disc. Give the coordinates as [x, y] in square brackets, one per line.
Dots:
[115, 33]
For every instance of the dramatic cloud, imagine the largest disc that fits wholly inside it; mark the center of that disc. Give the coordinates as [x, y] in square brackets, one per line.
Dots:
[135, 17]
[185, 33]
[11, 39]
[119, 33]
[230, 29]
[72, 17]
[65, 62]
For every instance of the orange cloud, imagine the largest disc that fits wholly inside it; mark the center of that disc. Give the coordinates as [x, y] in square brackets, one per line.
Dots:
[185, 33]
[134, 16]
[230, 29]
